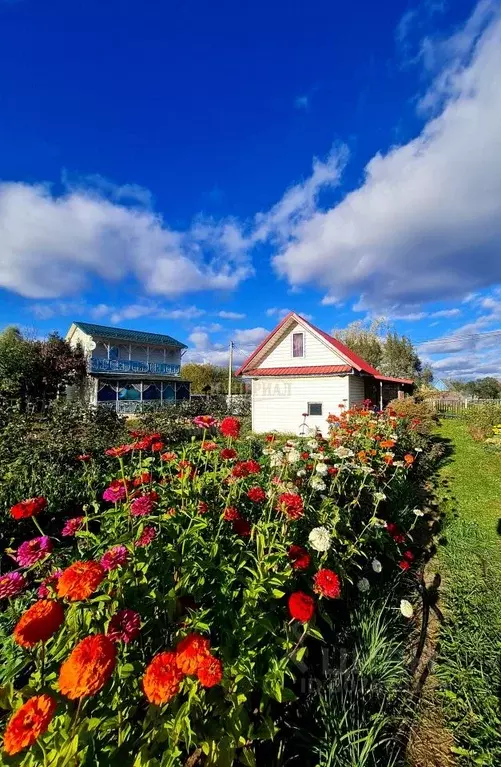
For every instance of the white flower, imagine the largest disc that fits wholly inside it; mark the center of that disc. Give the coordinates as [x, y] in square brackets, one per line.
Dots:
[293, 455]
[363, 585]
[277, 458]
[320, 539]
[321, 469]
[301, 473]
[398, 464]
[378, 522]
[317, 484]
[379, 497]
[376, 565]
[343, 452]
[317, 456]
[418, 512]
[394, 437]
[312, 443]
[367, 469]
[418, 449]
[406, 608]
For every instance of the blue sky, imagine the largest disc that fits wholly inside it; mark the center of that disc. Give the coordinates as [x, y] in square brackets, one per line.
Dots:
[199, 169]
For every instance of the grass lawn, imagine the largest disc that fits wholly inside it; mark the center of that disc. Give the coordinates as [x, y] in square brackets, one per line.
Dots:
[468, 669]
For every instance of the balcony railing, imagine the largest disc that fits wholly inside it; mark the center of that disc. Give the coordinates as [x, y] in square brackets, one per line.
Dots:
[97, 365]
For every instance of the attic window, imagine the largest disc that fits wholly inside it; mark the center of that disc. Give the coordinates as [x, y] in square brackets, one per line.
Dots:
[298, 344]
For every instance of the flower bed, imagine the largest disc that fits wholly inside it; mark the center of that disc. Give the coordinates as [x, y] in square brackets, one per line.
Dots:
[173, 617]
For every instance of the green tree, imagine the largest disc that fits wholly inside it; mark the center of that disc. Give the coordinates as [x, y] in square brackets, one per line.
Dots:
[209, 379]
[399, 357]
[365, 340]
[37, 371]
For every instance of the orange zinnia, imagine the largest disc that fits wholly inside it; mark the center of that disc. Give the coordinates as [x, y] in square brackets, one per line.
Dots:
[210, 671]
[38, 623]
[162, 678]
[28, 723]
[88, 667]
[387, 443]
[190, 652]
[80, 580]
[409, 459]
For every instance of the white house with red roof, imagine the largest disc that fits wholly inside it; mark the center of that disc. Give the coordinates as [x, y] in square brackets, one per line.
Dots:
[300, 375]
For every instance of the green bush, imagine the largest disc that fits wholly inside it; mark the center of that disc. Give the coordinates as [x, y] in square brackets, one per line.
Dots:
[422, 419]
[480, 420]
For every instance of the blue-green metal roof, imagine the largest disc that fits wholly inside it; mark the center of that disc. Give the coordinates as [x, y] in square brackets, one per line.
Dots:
[128, 335]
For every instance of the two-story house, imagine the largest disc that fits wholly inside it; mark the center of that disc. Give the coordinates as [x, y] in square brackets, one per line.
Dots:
[130, 369]
[300, 374]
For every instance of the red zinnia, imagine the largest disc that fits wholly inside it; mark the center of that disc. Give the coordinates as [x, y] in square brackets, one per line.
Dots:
[291, 505]
[241, 527]
[299, 557]
[227, 453]
[209, 447]
[327, 584]
[143, 479]
[147, 536]
[301, 606]
[210, 671]
[256, 494]
[124, 626]
[28, 508]
[230, 514]
[230, 427]
[190, 652]
[252, 467]
[203, 507]
[38, 623]
[118, 452]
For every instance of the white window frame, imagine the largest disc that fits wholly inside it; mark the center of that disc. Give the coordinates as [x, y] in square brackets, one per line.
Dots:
[297, 356]
[315, 415]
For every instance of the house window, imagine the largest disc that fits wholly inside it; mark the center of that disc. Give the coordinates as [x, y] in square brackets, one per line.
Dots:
[298, 344]
[314, 408]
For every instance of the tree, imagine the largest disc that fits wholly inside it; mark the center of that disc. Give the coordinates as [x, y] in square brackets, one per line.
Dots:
[37, 371]
[384, 349]
[209, 379]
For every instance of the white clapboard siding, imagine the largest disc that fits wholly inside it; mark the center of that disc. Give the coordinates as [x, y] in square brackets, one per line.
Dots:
[357, 390]
[316, 352]
[279, 402]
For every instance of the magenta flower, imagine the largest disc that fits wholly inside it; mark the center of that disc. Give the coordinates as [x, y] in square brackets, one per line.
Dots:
[147, 536]
[124, 626]
[115, 557]
[43, 590]
[141, 506]
[33, 551]
[117, 491]
[72, 525]
[11, 584]
[205, 421]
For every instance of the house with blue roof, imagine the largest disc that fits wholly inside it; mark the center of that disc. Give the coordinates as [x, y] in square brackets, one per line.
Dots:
[130, 370]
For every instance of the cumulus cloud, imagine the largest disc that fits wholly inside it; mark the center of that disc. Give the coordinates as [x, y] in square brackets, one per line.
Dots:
[425, 224]
[52, 246]
[274, 311]
[231, 315]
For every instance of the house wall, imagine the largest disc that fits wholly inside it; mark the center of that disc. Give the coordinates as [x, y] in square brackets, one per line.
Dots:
[316, 352]
[357, 390]
[279, 402]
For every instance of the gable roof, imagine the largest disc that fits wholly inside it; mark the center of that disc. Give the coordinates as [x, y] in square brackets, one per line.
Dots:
[120, 334]
[353, 359]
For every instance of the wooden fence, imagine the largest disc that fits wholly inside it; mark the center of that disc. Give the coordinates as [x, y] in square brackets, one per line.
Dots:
[456, 407]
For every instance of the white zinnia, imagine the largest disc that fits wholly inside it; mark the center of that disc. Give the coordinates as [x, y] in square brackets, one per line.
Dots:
[418, 512]
[293, 455]
[363, 585]
[312, 443]
[406, 608]
[321, 469]
[317, 484]
[376, 565]
[301, 472]
[344, 452]
[320, 539]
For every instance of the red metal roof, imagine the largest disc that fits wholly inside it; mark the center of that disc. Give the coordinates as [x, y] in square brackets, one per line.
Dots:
[311, 370]
[357, 362]
[392, 379]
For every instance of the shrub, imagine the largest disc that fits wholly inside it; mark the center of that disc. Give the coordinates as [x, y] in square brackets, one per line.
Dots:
[481, 420]
[418, 414]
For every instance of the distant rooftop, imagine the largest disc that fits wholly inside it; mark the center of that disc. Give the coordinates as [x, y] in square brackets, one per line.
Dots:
[128, 335]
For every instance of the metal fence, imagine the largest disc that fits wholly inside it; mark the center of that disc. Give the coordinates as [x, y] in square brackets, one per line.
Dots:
[458, 406]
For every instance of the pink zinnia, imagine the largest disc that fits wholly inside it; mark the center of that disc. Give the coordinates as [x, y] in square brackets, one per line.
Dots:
[11, 584]
[115, 557]
[71, 526]
[33, 551]
[117, 491]
[147, 536]
[205, 421]
[51, 580]
[124, 626]
[141, 506]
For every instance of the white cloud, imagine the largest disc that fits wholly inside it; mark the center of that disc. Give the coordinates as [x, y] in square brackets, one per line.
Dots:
[274, 311]
[52, 246]
[425, 224]
[446, 313]
[231, 315]
[134, 311]
[249, 336]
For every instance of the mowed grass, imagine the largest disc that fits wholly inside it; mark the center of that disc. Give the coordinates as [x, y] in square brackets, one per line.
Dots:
[468, 669]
